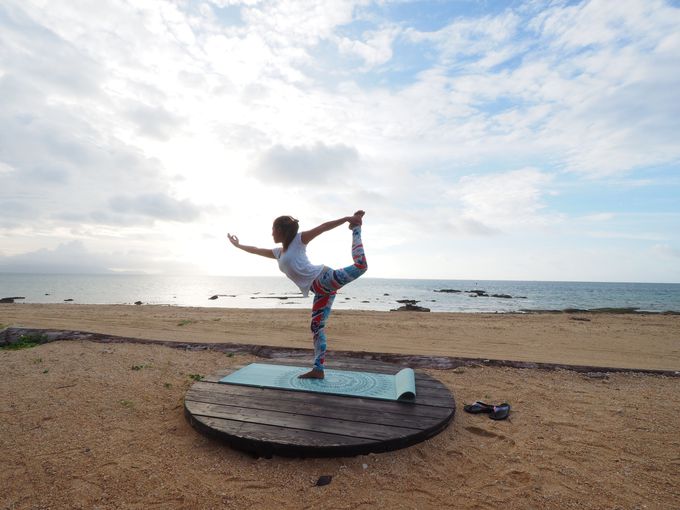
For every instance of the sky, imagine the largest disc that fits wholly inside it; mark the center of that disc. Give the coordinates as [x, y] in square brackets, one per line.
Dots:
[534, 140]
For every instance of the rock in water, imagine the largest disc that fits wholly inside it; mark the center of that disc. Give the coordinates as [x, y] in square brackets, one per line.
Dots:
[10, 299]
[411, 308]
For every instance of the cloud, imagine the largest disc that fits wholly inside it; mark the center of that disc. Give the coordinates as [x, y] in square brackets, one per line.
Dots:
[74, 257]
[463, 38]
[42, 57]
[666, 250]
[155, 122]
[69, 257]
[157, 206]
[502, 200]
[375, 47]
[307, 165]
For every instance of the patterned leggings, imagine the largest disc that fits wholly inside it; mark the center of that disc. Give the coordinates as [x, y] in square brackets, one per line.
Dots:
[325, 288]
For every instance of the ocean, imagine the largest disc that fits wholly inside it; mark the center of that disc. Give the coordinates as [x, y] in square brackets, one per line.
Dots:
[379, 294]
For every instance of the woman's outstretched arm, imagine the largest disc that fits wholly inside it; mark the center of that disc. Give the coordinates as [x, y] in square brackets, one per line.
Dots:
[251, 249]
[307, 236]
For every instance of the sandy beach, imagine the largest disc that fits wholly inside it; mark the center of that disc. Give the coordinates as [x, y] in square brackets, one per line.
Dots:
[614, 340]
[80, 428]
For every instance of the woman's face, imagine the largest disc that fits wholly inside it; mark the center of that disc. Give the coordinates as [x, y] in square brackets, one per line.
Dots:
[276, 234]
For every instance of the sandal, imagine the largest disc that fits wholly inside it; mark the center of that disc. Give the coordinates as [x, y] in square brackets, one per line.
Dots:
[500, 412]
[478, 407]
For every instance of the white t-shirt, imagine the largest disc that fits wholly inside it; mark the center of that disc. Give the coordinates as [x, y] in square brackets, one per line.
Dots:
[296, 266]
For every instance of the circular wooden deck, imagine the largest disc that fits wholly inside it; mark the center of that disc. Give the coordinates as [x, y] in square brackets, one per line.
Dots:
[267, 421]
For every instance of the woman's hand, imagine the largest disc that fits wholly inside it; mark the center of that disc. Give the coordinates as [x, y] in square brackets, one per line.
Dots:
[234, 240]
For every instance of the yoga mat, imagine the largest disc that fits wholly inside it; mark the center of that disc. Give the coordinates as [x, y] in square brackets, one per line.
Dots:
[400, 386]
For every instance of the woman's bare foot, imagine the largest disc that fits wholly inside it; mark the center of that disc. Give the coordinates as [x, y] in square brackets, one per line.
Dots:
[356, 219]
[312, 374]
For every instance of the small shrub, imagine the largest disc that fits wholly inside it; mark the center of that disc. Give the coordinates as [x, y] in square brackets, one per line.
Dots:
[26, 342]
[127, 403]
[139, 367]
[185, 322]
[196, 377]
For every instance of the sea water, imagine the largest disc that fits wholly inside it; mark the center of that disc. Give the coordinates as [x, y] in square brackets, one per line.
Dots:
[364, 294]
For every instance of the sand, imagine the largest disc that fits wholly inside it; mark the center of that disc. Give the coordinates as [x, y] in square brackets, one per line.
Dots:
[80, 428]
[615, 340]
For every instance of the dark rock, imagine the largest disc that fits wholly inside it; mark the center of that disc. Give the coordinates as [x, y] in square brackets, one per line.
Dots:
[385, 294]
[324, 480]
[407, 301]
[584, 319]
[69, 299]
[365, 301]
[10, 299]
[448, 290]
[478, 292]
[503, 296]
[213, 297]
[138, 302]
[411, 308]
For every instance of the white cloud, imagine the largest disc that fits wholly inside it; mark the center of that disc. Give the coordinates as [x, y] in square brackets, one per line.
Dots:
[666, 250]
[375, 47]
[155, 205]
[75, 257]
[307, 166]
[513, 198]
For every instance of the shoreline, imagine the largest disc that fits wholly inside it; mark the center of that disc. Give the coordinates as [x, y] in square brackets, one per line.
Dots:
[624, 310]
[630, 341]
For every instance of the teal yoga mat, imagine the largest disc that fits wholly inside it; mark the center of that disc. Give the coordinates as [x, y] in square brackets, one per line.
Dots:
[400, 386]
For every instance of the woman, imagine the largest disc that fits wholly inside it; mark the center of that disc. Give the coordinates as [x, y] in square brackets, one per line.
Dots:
[323, 281]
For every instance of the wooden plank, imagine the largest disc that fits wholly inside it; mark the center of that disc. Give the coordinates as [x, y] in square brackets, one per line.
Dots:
[224, 393]
[435, 399]
[347, 412]
[418, 407]
[271, 434]
[299, 422]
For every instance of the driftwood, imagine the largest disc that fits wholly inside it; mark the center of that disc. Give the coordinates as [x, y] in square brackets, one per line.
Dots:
[12, 335]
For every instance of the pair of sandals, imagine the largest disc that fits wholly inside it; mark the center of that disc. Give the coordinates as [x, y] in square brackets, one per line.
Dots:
[499, 412]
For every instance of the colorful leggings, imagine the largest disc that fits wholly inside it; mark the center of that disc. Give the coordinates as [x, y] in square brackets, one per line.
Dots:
[325, 288]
